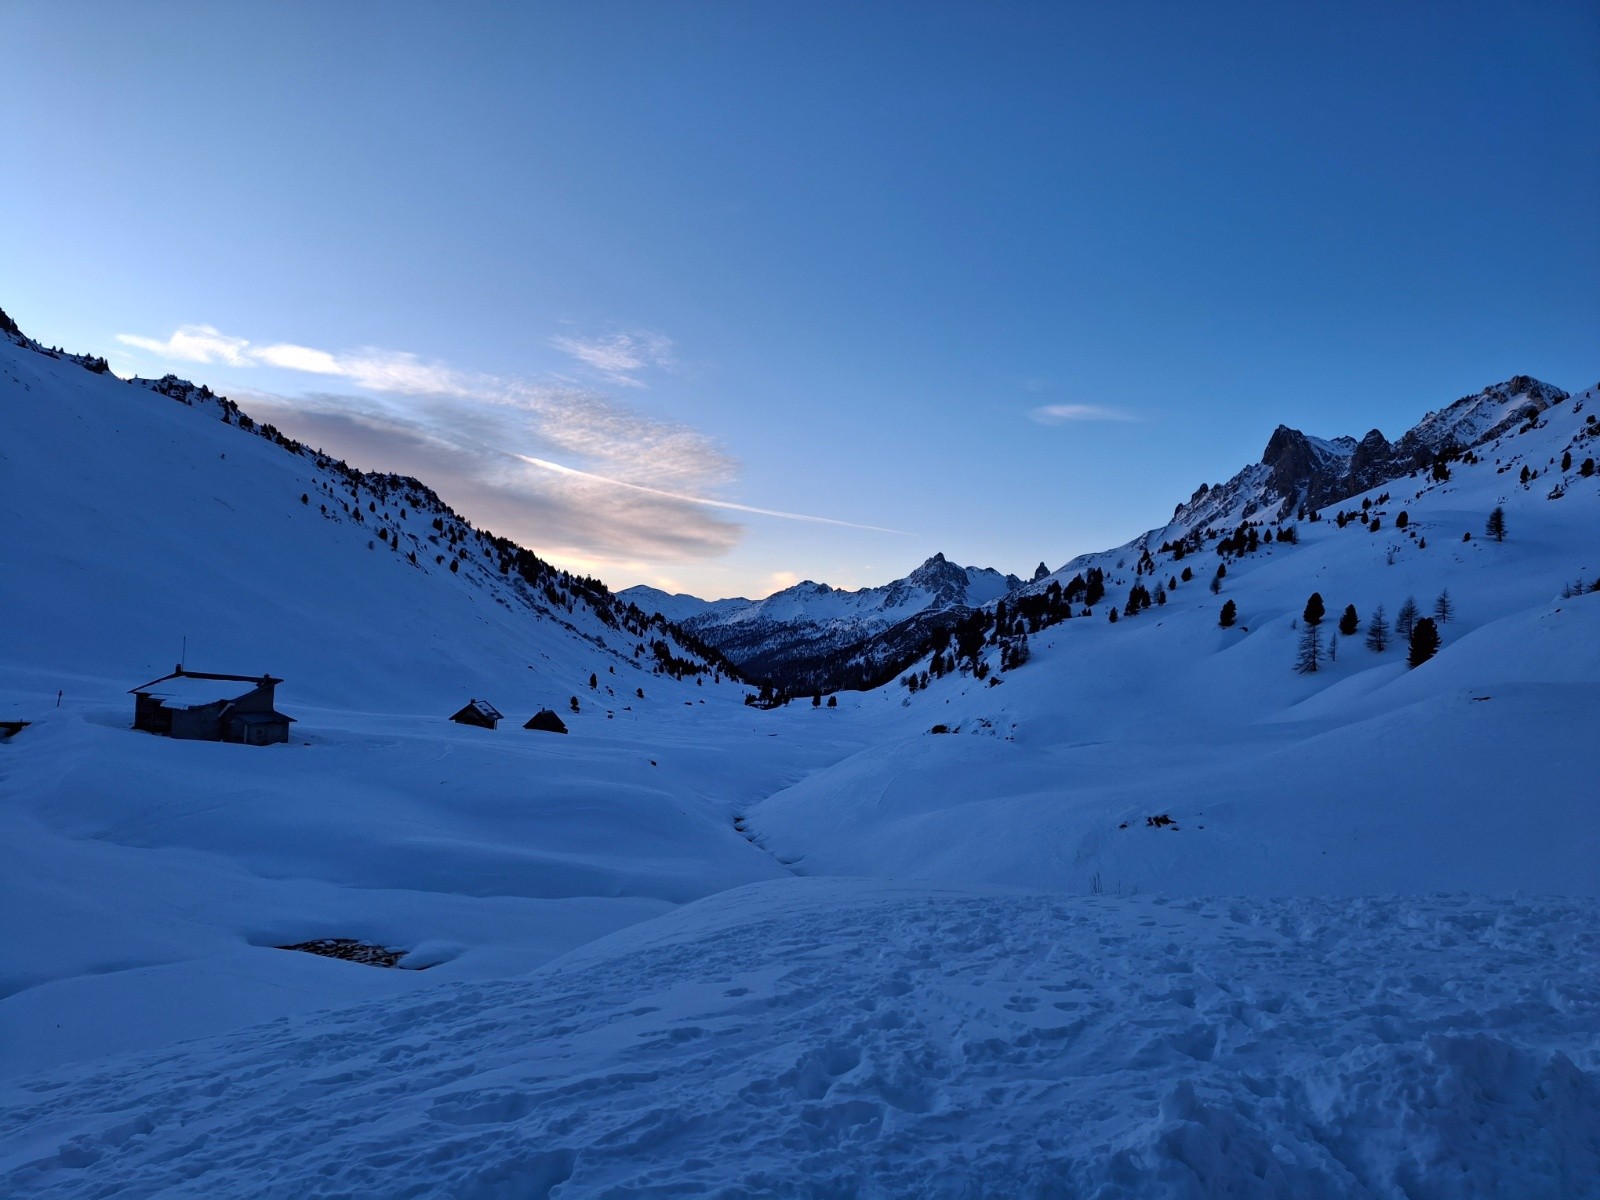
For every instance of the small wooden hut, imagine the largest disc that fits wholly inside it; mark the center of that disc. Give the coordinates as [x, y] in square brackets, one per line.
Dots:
[480, 713]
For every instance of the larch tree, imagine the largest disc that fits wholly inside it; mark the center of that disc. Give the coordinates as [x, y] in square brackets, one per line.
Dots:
[1309, 657]
[1377, 631]
[1406, 620]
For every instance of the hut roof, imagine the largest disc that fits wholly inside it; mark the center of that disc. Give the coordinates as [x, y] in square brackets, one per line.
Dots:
[195, 689]
[484, 709]
[547, 720]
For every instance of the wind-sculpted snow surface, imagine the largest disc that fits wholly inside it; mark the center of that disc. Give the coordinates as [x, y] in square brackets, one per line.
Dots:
[846, 1038]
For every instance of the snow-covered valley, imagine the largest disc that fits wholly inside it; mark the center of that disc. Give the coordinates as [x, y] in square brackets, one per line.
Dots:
[1151, 914]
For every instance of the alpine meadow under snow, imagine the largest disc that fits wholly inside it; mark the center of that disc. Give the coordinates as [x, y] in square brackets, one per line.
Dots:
[1100, 894]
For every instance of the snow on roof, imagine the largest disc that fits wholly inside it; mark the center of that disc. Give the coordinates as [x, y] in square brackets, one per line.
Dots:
[189, 691]
[485, 709]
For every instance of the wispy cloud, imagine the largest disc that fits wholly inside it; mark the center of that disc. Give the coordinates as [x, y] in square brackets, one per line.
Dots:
[703, 500]
[1060, 414]
[618, 357]
[193, 343]
[567, 470]
[382, 370]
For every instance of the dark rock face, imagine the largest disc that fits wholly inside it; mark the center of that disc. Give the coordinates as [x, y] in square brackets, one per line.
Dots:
[1290, 458]
[1301, 472]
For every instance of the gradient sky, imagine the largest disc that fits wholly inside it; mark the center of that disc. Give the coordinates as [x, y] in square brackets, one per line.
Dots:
[1006, 281]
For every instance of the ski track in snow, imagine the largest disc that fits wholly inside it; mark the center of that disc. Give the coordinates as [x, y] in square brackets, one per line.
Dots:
[848, 1038]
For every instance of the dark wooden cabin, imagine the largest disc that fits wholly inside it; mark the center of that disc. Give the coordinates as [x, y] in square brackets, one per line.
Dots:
[480, 713]
[546, 720]
[202, 706]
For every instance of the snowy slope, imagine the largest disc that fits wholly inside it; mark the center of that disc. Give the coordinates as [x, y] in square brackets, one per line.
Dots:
[838, 1038]
[148, 523]
[156, 875]
[1362, 777]
[620, 972]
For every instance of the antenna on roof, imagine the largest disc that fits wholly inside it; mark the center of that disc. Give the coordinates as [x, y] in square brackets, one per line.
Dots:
[183, 653]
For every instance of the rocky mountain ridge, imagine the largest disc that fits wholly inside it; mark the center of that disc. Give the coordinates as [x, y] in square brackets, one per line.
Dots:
[811, 636]
[1298, 471]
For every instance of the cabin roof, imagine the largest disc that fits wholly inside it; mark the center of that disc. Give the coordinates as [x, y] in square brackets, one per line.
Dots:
[484, 709]
[194, 689]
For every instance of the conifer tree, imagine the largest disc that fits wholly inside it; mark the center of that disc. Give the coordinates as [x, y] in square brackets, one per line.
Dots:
[1495, 527]
[1424, 642]
[1349, 622]
[1309, 657]
[1230, 613]
[1444, 608]
[1406, 620]
[1377, 631]
[1315, 610]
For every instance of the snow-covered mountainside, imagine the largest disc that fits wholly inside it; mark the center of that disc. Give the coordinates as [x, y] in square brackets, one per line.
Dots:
[1300, 472]
[219, 535]
[1169, 715]
[812, 637]
[678, 607]
[1113, 896]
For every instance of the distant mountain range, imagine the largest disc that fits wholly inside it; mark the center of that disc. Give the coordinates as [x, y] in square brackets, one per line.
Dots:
[812, 637]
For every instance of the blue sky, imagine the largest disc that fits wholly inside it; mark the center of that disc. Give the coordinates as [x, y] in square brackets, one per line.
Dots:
[1005, 281]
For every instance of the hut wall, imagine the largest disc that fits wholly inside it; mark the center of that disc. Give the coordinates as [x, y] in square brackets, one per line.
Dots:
[199, 724]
